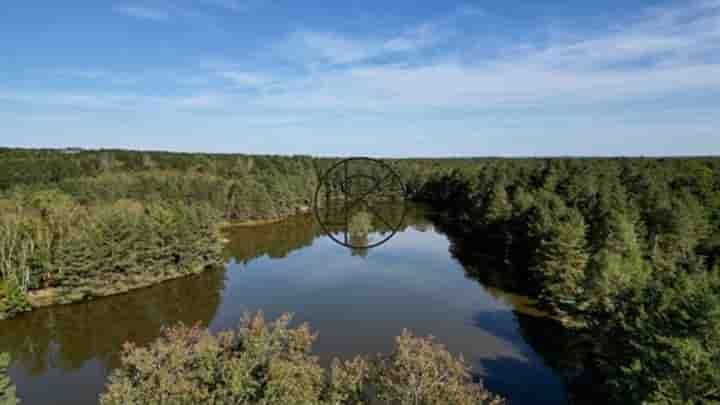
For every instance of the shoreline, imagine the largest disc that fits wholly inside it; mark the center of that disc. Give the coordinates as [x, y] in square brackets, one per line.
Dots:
[264, 221]
[53, 296]
[122, 284]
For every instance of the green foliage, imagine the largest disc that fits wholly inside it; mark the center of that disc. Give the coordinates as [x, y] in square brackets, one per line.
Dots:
[597, 240]
[419, 371]
[98, 222]
[499, 207]
[617, 272]
[271, 363]
[674, 344]
[12, 299]
[240, 187]
[7, 390]
[97, 249]
[263, 363]
[620, 246]
[562, 261]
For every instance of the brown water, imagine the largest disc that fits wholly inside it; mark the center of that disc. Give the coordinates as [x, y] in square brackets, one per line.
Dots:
[358, 300]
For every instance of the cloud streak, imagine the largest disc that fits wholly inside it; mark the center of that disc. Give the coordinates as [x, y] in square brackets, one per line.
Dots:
[318, 48]
[658, 53]
[663, 52]
[234, 5]
[142, 12]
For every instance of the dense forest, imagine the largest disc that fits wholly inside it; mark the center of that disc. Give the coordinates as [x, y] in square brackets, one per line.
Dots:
[626, 251]
[623, 249]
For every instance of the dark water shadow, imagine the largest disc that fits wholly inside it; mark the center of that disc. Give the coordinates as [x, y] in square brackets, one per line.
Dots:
[568, 353]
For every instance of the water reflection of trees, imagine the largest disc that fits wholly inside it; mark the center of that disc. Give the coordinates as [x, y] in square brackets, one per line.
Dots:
[384, 218]
[567, 353]
[275, 240]
[67, 336]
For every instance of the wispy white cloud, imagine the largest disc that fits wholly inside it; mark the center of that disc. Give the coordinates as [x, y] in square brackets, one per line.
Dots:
[235, 5]
[104, 76]
[244, 79]
[663, 51]
[117, 101]
[319, 47]
[422, 36]
[143, 12]
[659, 52]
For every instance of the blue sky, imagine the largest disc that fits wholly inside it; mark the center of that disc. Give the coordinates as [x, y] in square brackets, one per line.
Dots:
[377, 78]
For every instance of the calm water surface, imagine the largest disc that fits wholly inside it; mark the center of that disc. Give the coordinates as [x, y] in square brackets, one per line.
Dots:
[357, 300]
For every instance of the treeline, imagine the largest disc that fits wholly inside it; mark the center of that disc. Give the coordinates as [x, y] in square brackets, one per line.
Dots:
[78, 224]
[238, 186]
[626, 249]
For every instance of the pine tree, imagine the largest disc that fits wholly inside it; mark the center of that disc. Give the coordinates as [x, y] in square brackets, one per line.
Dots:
[617, 271]
[499, 207]
[562, 262]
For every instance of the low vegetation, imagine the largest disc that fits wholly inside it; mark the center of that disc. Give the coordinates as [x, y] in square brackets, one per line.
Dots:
[7, 390]
[271, 363]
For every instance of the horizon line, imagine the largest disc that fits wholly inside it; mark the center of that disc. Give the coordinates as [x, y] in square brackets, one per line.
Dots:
[567, 156]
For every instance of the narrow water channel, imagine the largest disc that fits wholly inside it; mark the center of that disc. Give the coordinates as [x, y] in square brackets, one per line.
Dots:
[358, 301]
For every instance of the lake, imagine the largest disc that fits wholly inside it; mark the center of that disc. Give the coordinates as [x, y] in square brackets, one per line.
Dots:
[358, 300]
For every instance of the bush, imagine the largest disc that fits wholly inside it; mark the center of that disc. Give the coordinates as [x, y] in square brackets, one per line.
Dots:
[12, 299]
[7, 390]
[419, 371]
[270, 363]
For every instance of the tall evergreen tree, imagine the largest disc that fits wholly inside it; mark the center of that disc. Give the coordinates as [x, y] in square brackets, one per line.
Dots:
[617, 271]
[672, 342]
[562, 262]
[499, 207]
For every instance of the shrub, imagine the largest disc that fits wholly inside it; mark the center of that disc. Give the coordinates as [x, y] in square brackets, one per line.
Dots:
[269, 363]
[12, 299]
[419, 371]
[7, 390]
